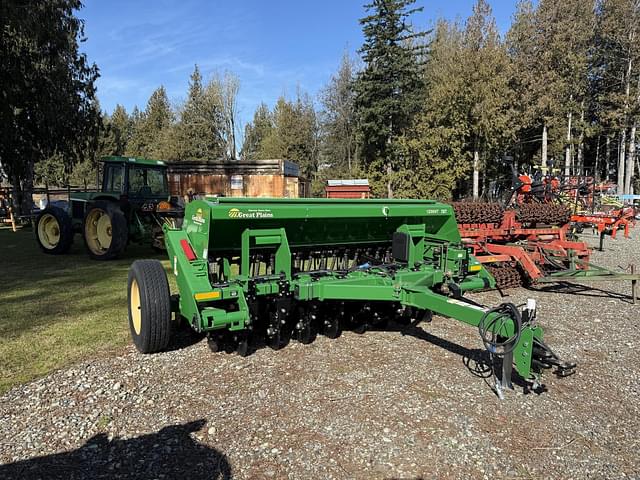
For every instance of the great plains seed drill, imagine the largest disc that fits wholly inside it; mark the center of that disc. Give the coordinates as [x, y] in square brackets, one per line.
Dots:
[277, 269]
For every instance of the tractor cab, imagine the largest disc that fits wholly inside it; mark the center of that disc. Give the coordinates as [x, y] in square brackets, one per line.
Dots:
[136, 178]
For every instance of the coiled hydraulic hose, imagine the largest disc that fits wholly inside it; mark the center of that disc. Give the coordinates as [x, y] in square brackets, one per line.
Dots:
[489, 328]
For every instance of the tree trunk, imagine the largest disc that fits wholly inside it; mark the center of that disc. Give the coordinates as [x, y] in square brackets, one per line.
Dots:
[580, 158]
[26, 191]
[607, 159]
[356, 156]
[232, 139]
[476, 173]
[623, 136]
[631, 154]
[389, 187]
[544, 146]
[567, 153]
[621, 158]
[629, 170]
[596, 168]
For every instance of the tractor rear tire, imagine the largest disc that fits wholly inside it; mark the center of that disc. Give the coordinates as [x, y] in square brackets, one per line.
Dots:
[105, 230]
[149, 306]
[54, 231]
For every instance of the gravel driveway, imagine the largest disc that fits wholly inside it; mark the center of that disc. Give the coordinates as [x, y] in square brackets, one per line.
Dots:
[378, 405]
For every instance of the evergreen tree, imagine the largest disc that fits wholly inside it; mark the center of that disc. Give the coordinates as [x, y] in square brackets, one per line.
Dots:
[436, 145]
[152, 131]
[536, 84]
[338, 125]
[390, 87]
[549, 46]
[52, 172]
[617, 81]
[198, 134]
[566, 30]
[121, 125]
[256, 131]
[294, 135]
[289, 132]
[487, 93]
[47, 88]
[116, 132]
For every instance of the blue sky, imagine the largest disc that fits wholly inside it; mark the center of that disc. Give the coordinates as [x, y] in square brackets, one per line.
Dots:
[273, 46]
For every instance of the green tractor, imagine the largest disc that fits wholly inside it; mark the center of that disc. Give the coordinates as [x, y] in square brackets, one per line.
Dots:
[132, 205]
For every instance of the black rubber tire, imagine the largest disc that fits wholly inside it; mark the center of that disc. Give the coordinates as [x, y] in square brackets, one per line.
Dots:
[65, 228]
[275, 341]
[119, 230]
[307, 334]
[214, 344]
[332, 330]
[360, 328]
[243, 349]
[155, 306]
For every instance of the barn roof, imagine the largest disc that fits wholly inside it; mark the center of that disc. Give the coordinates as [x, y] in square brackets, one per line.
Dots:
[237, 167]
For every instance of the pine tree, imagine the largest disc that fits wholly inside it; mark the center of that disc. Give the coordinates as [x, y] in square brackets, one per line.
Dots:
[617, 80]
[549, 46]
[294, 135]
[121, 124]
[47, 88]
[116, 133]
[389, 88]
[338, 124]
[198, 134]
[153, 129]
[566, 28]
[256, 131]
[436, 145]
[487, 90]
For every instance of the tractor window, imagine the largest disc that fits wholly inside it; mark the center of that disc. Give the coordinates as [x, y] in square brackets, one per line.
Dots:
[113, 178]
[145, 181]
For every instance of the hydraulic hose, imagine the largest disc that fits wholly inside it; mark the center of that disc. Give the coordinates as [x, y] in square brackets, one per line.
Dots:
[493, 322]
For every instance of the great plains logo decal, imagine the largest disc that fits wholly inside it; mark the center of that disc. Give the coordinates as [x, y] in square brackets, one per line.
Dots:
[251, 213]
[198, 218]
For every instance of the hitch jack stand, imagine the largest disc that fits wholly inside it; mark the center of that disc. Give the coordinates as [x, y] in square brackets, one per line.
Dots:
[505, 381]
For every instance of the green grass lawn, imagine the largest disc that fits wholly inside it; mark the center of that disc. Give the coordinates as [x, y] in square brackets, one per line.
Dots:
[55, 310]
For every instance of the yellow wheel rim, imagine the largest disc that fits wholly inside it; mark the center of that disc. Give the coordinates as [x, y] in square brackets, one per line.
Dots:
[136, 312]
[49, 231]
[98, 231]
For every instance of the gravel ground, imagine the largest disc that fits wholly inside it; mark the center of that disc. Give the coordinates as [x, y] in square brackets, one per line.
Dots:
[378, 405]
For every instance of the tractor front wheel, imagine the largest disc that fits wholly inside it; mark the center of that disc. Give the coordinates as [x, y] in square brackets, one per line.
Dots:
[54, 231]
[149, 306]
[105, 231]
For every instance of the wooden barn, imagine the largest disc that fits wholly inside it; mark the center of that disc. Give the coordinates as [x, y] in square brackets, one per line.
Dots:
[239, 178]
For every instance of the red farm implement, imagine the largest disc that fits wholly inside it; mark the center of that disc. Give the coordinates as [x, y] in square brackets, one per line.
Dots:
[529, 244]
[606, 223]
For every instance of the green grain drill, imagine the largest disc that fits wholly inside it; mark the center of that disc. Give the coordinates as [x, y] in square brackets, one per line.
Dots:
[276, 269]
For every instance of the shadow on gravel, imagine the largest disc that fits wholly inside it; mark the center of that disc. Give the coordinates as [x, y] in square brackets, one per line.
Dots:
[183, 337]
[170, 453]
[584, 291]
[477, 360]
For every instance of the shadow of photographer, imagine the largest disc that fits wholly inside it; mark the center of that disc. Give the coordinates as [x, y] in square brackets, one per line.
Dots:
[170, 453]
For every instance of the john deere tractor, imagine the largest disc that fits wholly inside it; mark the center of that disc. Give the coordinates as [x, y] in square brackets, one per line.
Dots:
[131, 206]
